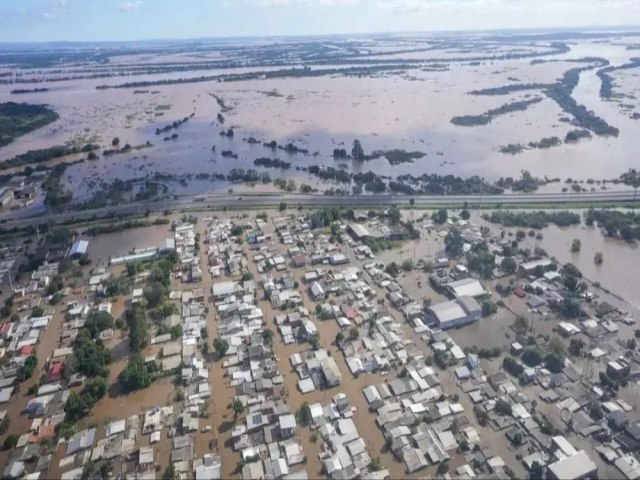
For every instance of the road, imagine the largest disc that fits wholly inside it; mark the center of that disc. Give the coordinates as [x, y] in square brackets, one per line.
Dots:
[255, 200]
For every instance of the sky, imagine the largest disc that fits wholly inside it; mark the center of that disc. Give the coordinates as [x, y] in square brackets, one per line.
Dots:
[105, 20]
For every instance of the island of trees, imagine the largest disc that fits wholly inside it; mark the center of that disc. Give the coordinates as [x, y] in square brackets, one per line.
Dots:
[17, 119]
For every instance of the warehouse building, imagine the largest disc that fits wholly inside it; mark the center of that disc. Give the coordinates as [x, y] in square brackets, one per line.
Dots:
[467, 287]
[455, 313]
[79, 249]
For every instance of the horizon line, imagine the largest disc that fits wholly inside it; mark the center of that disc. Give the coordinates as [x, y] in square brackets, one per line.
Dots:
[567, 29]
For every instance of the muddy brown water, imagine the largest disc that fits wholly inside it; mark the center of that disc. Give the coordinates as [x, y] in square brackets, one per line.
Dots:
[410, 111]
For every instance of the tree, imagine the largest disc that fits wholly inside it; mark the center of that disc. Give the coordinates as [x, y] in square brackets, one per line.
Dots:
[394, 215]
[408, 265]
[575, 346]
[221, 346]
[30, 364]
[488, 308]
[632, 178]
[392, 269]
[353, 333]
[595, 411]
[138, 328]
[503, 407]
[115, 142]
[532, 356]
[175, 331]
[536, 472]
[357, 152]
[91, 357]
[440, 217]
[37, 312]
[443, 467]
[283, 206]
[10, 442]
[412, 201]
[554, 362]
[454, 244]
[98, 322]
[55, 285]
[598, 258]
[237, 407]
[508, 265]
[303, 415]
[136, 375]
[267, 336]
[154, 293]
[339, 338]
[315, 341]
[576, 245]
[465, 214]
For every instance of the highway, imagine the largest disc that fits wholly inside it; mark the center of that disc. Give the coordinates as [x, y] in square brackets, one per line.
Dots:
[270, 200]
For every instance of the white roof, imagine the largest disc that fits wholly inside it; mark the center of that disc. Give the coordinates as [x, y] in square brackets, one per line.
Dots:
[448, 311]
[467, 287]
[576, 466]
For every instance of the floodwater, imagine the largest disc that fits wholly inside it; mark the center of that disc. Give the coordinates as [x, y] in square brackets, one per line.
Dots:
[408, 110]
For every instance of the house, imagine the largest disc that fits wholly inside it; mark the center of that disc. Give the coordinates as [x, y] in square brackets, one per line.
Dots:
[222, 290]
[81, 441]
[331, 372]
[299, 260]
[338, 259]
[317, 292]
[287, 426]
[455, 313]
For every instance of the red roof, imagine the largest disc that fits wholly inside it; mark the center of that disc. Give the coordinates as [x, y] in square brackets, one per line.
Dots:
[56, 369]
[350, 313]
[519, 292]
[6, 327]
[26, 350]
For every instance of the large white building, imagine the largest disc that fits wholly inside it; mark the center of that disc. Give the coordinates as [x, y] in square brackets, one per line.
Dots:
[467, 287]
[455, 313]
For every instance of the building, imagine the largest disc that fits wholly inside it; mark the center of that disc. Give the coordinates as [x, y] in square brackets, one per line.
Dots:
[79, 249]
[167, 245]
[331, 372]
[359, 232]
[317, 292]
[466, 287]
[455, 313]
[576, 467]
[222, 290]
[530, 268]
[6, 197]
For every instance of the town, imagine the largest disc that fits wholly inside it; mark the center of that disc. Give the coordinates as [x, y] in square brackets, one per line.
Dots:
[291, 344]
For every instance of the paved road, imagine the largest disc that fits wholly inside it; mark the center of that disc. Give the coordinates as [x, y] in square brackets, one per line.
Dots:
[293, 199]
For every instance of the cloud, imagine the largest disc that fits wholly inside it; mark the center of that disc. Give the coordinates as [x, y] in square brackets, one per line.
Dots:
[55, 9]
[130, 5]
[406, 6]
[313, 3]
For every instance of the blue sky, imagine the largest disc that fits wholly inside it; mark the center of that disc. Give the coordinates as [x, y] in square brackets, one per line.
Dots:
[77, 20]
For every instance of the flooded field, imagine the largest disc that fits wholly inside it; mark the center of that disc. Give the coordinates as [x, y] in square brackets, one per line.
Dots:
[407, 108]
